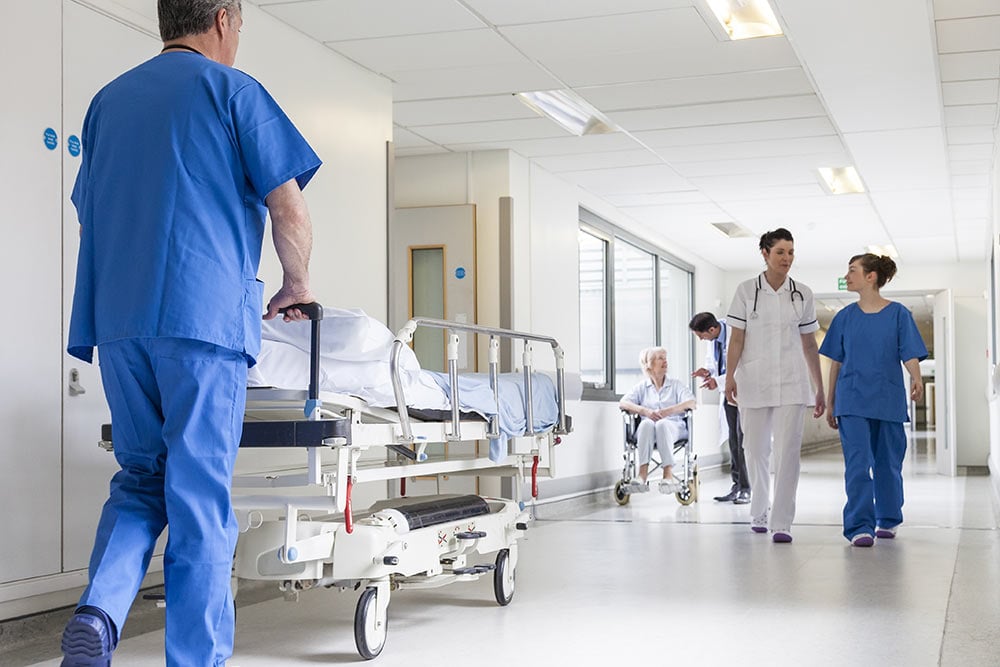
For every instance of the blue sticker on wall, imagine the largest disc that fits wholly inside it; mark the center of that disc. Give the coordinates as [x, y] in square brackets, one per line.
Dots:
[51, 139]
[460, 272]
[73, 145]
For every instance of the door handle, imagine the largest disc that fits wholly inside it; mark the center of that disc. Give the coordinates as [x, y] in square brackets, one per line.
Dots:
[75, 388]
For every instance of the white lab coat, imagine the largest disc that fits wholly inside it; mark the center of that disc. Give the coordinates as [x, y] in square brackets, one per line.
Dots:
[772, 369]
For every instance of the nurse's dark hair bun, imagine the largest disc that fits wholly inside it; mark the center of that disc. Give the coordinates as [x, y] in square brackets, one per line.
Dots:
[768, 239]
[882, 265]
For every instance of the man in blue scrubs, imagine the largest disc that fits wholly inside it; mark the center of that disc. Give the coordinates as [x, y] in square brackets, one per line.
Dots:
[183, 158]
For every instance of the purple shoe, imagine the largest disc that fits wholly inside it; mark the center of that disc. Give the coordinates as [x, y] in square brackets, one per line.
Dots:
[885, 533]
[759, 529]
[862, 540]
[88, 639]
[781, 537]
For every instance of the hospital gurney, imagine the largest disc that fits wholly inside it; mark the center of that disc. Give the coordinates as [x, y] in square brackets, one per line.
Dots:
[310, 540]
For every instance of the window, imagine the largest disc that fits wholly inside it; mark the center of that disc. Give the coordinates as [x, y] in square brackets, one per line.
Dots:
[594, 361]
[635, 311]
[632, 296]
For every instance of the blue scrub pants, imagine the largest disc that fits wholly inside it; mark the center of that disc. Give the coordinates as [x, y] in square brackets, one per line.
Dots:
[177, 415]
[873, 473]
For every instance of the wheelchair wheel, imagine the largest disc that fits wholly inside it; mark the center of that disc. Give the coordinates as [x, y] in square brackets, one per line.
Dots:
[621, 495]
[686, 496]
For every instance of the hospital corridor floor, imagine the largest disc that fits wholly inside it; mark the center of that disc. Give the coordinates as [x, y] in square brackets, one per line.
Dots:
[657, 583]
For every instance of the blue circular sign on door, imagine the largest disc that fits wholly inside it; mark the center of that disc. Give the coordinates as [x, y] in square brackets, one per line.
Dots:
[51, 139]
[73, 145]
[460, 272]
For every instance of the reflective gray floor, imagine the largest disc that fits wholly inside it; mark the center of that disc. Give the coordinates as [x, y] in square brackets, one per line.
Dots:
[657, 583]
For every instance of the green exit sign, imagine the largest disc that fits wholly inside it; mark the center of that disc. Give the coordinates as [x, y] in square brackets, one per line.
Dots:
[842, 283]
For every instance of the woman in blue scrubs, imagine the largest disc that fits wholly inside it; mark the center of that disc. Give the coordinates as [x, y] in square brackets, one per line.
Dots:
[867, 341]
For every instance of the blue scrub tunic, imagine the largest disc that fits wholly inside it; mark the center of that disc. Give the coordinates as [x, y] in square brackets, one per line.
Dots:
[178, 156]
[871, 347]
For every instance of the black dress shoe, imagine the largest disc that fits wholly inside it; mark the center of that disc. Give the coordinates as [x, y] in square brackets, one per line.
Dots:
[729, 497]
[742, 498]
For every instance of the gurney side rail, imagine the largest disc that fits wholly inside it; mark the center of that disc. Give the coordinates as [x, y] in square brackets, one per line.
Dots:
[405, 336]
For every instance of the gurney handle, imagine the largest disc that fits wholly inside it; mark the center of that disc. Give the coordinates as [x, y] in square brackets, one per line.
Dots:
[314, 311]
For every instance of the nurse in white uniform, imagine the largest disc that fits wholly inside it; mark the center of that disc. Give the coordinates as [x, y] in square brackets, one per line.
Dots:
[774, 353]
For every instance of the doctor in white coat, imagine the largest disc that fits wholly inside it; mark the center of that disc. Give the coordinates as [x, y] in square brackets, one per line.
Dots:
[713, 374]
[773, 354]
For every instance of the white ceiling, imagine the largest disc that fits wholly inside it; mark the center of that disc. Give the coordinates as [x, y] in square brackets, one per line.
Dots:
[713, 130]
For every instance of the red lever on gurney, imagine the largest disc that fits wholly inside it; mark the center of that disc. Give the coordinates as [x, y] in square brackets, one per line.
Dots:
[534, 477]
[348, 518]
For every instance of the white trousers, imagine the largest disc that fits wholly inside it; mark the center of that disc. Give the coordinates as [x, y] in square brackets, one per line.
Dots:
[665, 432]
[785, 424]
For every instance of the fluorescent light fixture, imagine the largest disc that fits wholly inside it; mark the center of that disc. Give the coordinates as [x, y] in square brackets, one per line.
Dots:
[745, 19]
[569, 111]
[841, 180]
[732, 230]
[885, 250]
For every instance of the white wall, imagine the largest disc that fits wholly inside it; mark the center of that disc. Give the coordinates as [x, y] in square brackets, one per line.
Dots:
[345, 112]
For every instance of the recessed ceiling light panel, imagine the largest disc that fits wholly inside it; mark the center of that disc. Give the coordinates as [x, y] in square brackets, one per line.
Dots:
[745, 19]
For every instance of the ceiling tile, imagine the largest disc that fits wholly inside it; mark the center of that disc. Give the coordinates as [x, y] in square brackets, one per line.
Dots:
[652, 178]
[788, 81]
[335, 20]
[961, 181]
[497, 130]
[460, 110]
[505, 12]
[632, 158]
[970, 166]
[959, 9]
[753, 149]
[595, 143]
[644, 63]
[934, 249]
[901, 159]
[658, 198]
[840, 41]
[403, 138]
[969, 134]
[969, 92]
[666, 31]
[964, 152]
[720, 113]
[818, 126]
[964, 35]
[439, 50]
[969, 66]
[971, 114]
[504, 79]
[915, 213]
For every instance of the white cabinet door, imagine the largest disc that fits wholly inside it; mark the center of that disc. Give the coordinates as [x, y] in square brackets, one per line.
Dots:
[30, 384]
[96, 49]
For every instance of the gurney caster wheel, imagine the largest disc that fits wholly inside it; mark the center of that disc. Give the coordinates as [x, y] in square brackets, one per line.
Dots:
[368, 636]
[621, 495]
[503, 578]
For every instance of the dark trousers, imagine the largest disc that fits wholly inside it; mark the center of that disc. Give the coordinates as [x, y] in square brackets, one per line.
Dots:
[737, 461]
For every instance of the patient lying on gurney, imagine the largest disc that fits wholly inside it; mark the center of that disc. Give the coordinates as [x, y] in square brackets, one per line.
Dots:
[354, 359]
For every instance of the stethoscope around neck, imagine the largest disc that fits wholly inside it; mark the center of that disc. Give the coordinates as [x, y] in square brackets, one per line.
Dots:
[795, 291]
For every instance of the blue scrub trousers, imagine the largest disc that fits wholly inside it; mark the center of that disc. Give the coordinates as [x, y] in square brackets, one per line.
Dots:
[177, 416]
[873, 473]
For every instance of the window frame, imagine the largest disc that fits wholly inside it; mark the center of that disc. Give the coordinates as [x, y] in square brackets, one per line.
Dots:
[597, 226]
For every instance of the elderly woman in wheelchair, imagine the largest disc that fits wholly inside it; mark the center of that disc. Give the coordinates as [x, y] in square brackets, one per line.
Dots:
[662, 405]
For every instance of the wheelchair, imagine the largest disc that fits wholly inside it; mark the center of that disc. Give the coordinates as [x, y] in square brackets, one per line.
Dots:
[685, 462]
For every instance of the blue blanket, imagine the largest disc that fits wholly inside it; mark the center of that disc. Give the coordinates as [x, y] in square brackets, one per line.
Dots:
[476, 395]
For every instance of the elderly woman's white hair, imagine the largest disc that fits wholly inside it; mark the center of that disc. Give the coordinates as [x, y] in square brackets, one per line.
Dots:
[646, 356]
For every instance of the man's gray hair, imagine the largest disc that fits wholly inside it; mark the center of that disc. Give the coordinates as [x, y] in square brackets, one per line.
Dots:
[180, 18]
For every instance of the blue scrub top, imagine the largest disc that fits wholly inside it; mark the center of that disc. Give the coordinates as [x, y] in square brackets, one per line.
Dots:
[871, 347]
[179, 154]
